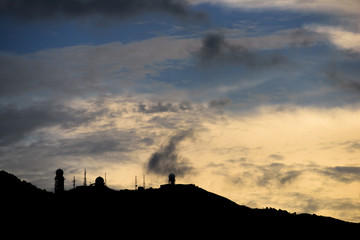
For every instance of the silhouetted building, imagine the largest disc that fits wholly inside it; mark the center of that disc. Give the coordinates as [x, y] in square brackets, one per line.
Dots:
[99, 182]
[172, 179]
[59, 181]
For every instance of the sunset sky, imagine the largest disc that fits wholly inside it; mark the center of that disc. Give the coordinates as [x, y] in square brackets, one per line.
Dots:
[257, 101]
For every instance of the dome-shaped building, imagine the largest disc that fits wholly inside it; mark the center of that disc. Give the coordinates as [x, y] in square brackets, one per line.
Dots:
[99, 182]
[172, 179]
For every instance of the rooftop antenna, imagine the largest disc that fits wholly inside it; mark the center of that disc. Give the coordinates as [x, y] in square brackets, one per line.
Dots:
[135, 182]
[74, 181]
[84, 176]
[105, 179]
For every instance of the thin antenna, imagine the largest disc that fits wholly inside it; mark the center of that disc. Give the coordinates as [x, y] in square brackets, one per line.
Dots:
[144, 181]
[74, 181]
[84, 176]
[135, 182]
[105, 179]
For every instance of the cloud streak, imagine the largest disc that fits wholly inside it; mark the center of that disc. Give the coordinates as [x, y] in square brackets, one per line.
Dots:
[342, 79]
[116, 9]
[339, 37]
[342, 174]
[164, 107]
[216, 50]
[17, 122]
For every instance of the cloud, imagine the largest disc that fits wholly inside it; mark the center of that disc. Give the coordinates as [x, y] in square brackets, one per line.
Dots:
[276, 173]
[300, 37]
[342, 174]
[219, 103]
[164, 107]
[353, 146]
[85, 69]
[332, 6]
[17, 122]
[342, 79]
[116, 9]
[102, 143]
[338, 36]
[166, 160]
[276, 157]
[216, 50]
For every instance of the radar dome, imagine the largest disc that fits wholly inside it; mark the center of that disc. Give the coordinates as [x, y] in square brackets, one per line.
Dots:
[99, 182]
[59, 172]
[172, 178]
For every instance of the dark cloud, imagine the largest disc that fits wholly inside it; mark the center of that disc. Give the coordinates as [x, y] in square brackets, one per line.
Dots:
[353, 146]
[102, 143]
[50, 73]
[216, 50]
[219, 103]
[119, 9]
[280, 178]
[342, 174]
[302, 38]
[270, 175]
[289, 176]
[342, 79]
[164, 107]
[276, 157]
[276, 173]
[167, 160]
[17, 122]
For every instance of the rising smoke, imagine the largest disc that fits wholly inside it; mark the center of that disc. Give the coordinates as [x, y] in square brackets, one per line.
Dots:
[167, 160]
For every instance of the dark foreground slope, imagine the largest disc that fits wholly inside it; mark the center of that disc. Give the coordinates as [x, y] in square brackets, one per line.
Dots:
[181, 210]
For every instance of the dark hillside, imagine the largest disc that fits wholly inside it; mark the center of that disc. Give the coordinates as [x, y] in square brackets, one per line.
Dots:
[185, 209]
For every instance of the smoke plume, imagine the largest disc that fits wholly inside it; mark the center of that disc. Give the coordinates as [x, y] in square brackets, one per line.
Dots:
[167, 160]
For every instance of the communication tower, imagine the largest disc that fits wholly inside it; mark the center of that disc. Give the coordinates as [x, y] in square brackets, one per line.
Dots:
[85, 177]
[74, 181]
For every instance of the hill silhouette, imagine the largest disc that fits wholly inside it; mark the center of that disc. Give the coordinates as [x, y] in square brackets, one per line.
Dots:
[183, 209]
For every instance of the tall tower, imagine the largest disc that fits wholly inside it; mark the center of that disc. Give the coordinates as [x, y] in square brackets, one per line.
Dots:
[74, 182]
[59, 181]
[85, 177]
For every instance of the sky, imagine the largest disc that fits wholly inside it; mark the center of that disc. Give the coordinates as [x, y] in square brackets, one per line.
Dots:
[257, 101]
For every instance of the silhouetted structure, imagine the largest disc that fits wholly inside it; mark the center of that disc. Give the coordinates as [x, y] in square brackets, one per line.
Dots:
[59, 181]
[172, 179]
[206, 213]
[74, 182]
[99, 182]
[85, 177]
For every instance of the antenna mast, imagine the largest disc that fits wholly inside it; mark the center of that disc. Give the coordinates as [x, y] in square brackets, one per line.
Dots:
[135, 182]
[74, 181]
[84, 176]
